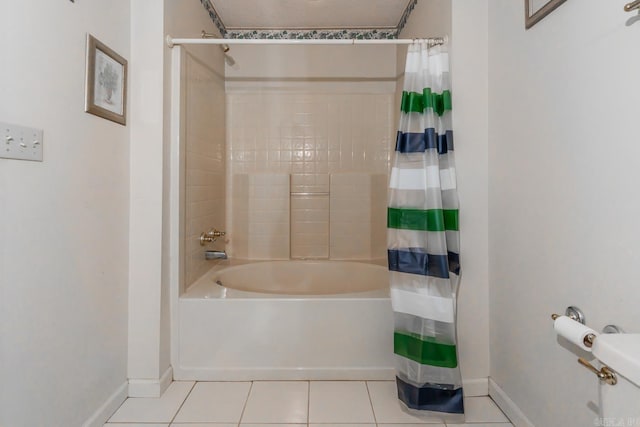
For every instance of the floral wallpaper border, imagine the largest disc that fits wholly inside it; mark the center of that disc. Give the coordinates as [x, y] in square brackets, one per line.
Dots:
[312, 34]
[214, 17]
[370, 33]
[405, 15]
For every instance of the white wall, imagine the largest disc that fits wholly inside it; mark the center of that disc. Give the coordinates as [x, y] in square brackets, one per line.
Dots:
[563, 195]
[63, 222]
[145, 366]
[465, 22]
[469, 71]
[149, 325]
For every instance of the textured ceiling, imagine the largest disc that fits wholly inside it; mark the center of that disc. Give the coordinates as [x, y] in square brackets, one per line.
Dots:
[238, 18]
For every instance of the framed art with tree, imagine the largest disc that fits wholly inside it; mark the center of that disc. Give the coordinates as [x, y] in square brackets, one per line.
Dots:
[106, 82]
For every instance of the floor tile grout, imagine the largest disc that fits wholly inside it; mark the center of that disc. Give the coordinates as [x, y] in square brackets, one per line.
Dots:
[183, 401]
[308, 403]
[373, 410]
[308, 423]
[246, 401]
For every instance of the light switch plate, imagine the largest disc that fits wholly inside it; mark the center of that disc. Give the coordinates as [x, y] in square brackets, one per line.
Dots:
[20, 143]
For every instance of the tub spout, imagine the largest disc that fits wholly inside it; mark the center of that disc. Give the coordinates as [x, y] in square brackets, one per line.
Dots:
[209, 255]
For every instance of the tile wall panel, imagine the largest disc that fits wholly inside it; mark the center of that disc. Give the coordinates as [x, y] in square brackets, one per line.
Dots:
[310, 183]
[309, 135]
[350, 217]
[238, 222]
[205, 163]
[268, 226]
[310, 226]
[310, 216]
[379, 216]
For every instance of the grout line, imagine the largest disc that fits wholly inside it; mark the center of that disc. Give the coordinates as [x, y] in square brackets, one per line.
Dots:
[183, 401]
[375, 419]
[308, 403]
[308, 423]
[246, 401]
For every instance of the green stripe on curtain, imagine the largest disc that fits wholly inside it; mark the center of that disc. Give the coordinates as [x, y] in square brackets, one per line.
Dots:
[414, 102]
[451, 219]
[425, 351]
[423, 220]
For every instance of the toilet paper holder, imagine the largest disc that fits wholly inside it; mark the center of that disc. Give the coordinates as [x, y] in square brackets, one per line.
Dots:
[605, 373]
[574, 313]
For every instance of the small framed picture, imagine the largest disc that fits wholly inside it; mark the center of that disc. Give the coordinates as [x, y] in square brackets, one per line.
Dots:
[535, 10]
[106, 82]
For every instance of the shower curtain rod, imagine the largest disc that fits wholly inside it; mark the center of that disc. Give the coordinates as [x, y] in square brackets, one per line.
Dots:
[171, 42]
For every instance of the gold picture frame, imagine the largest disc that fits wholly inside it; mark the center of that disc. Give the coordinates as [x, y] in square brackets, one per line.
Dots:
[535, 10]
[106, 82]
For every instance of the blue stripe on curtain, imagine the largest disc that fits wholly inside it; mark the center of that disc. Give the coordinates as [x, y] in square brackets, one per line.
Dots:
[417, 261]
[449, 139]
[454, 262]
[412, 142]
[443, 146]
[431, 398]
[409, 142]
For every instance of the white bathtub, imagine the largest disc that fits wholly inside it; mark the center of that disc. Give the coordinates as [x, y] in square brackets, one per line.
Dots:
[286, 320]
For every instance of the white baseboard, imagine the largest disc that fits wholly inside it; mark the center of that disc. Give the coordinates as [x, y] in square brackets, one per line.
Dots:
[150, 388]
[284, 374]
[472, 387]
[475, 387]
[508, 406]
[108, 408]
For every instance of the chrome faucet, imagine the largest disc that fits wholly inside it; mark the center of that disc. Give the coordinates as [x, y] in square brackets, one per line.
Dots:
[209, 255]
[210, 236]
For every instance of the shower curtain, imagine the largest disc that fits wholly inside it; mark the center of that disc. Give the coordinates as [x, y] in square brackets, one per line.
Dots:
[423, 241]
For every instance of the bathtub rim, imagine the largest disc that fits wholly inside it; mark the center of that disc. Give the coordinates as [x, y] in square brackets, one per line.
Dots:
[205, 288]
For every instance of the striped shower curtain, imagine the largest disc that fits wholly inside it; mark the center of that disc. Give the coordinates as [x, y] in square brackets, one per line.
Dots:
[423, 241]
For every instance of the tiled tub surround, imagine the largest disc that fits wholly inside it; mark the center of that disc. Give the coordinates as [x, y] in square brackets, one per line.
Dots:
[358, 216]
[259, 217]
[204, 131]
[335, 147]
[309, 132]
[314, 113]
[310, 216]
[337, 216]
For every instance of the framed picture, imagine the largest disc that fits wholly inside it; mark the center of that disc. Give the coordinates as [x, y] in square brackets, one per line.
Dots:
[106, 82]
[535, 10]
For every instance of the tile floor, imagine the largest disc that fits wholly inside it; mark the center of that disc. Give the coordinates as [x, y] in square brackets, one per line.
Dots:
[289, 404]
